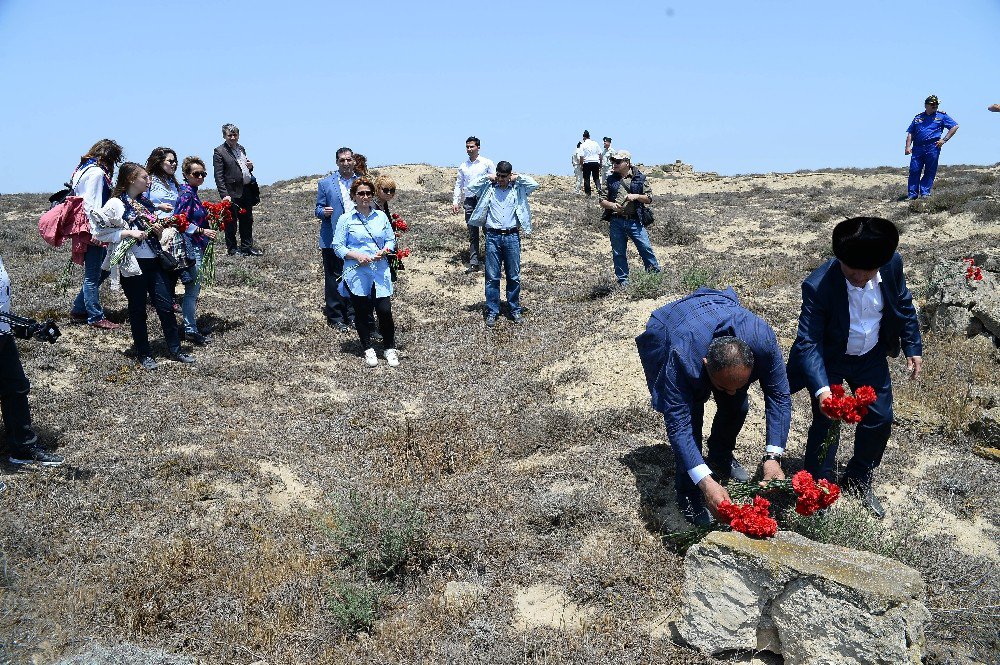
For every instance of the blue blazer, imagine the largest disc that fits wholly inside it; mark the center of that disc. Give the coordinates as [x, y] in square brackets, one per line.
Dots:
[672, 350]
[328, 194]
[825, 322]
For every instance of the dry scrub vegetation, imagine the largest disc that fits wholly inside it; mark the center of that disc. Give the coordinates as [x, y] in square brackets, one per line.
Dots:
[498, 498]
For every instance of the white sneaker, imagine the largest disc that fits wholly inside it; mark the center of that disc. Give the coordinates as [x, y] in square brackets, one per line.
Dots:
[371, 359]
[392, 357]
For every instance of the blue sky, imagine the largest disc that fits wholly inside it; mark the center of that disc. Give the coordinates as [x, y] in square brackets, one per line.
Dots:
[733, 87]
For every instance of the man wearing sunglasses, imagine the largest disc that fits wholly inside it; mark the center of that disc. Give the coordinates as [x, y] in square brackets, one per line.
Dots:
[923, 144]
[624, 199]
[502, 210]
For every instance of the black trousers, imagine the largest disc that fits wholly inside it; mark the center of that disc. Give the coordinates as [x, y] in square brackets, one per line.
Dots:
[14, 388]
[336, 307]
[153, 283]
[591, 170]
[244, 223]
[365, 306]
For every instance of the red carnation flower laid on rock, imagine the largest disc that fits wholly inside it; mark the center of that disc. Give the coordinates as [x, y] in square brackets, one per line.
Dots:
[753, 519]
[972, 271]
[812, 496]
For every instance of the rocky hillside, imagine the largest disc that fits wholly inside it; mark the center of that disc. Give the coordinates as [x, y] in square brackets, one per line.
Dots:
[502, 495]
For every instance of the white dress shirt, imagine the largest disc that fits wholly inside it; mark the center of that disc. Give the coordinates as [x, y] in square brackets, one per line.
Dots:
[864, 305]
[4, 297]
[345, 193]
[591, 151]
[468, 173]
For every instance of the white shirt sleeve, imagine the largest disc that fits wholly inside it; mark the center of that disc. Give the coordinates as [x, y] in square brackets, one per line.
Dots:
[90, 187]
[699, 472]
[459, 186]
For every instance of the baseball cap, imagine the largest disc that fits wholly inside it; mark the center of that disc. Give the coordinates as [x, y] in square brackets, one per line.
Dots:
[622, 155]
[932, 100]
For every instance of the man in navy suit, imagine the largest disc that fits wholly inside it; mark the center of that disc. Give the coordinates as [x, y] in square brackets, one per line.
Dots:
[856, 311]
[708, 345]
[333, 200]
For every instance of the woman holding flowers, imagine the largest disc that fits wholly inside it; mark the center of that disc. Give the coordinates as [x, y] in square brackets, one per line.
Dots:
[196, 236]
[365, 240]
[128, 223]
[163, 193]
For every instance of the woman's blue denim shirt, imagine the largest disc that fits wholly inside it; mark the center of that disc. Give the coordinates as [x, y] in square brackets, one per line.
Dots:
[368, 234]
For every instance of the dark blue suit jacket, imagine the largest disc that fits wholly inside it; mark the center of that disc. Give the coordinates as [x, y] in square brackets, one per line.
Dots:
[672, 351]
[825, 322]
[328, 194]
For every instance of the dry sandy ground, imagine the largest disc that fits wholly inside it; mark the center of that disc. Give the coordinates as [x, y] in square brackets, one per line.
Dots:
[289, 427]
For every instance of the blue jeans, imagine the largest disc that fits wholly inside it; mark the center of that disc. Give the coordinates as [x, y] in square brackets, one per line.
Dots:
[505, 247]
[88, 300]
[923, 158]
[191, 290]
[621, 230]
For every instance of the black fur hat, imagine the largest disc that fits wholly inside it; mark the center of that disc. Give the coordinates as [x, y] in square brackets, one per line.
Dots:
[865, 243]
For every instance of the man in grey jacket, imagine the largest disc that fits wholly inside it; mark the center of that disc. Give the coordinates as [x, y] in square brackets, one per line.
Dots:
[233, 176]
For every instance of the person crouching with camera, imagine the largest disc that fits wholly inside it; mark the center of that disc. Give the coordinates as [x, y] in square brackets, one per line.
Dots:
[128, 222]
[21, 441]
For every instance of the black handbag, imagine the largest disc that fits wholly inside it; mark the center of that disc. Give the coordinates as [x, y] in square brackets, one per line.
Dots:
[167, 261]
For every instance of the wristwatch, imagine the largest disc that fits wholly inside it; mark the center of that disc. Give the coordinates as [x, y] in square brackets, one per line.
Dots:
[771, 457]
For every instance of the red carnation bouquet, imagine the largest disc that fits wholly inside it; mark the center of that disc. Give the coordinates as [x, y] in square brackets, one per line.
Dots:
[219, 215]
[750, 513]
[843, 408]
[180, 222]
[399, 227]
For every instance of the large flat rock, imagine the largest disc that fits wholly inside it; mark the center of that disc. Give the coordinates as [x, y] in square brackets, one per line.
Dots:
[815, 603]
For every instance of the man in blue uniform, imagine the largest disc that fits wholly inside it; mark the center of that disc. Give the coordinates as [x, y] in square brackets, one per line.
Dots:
[708, 345]
[923, 144]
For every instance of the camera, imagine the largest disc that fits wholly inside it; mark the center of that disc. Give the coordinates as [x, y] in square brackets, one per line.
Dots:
[25, 328]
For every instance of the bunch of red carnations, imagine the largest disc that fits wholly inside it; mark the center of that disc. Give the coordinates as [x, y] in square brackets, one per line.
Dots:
[973, 273]
[399, 227]
[219, 215]
[750, 513]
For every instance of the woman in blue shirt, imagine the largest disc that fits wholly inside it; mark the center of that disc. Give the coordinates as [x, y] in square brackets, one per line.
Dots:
[364, 239]
[196, 238]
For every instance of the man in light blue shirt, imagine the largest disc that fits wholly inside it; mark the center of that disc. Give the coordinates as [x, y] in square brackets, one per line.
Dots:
[502, 209]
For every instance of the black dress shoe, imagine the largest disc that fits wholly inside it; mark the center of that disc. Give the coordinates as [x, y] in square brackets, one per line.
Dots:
[196, 338]
[253, 251]
[865, 495]
[182, 357]
[233, 251]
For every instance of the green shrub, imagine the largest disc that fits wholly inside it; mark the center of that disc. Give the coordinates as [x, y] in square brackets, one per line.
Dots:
[645, 285]
[355, 605]
[849, 524]
[379, 533]
[696, 277]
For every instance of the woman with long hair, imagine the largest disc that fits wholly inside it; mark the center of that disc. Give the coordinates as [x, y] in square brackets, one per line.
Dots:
[196, 237]
[92, 181]
[128, 223]
[364, 239]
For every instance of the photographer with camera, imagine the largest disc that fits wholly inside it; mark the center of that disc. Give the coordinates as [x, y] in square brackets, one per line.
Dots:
[21, 441]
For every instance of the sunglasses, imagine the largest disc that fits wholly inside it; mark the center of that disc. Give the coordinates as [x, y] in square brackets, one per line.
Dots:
[388, 190]
[360, 194]
[199, 174]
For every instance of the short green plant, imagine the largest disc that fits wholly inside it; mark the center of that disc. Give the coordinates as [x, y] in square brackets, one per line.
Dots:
[696, 277]
[849, 524]
[355, 605]
[379, 533]
[645, 285]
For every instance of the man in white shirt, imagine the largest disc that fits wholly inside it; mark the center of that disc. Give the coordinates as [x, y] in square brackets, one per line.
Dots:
[856, 311]
[591, 162]
[469, 172]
